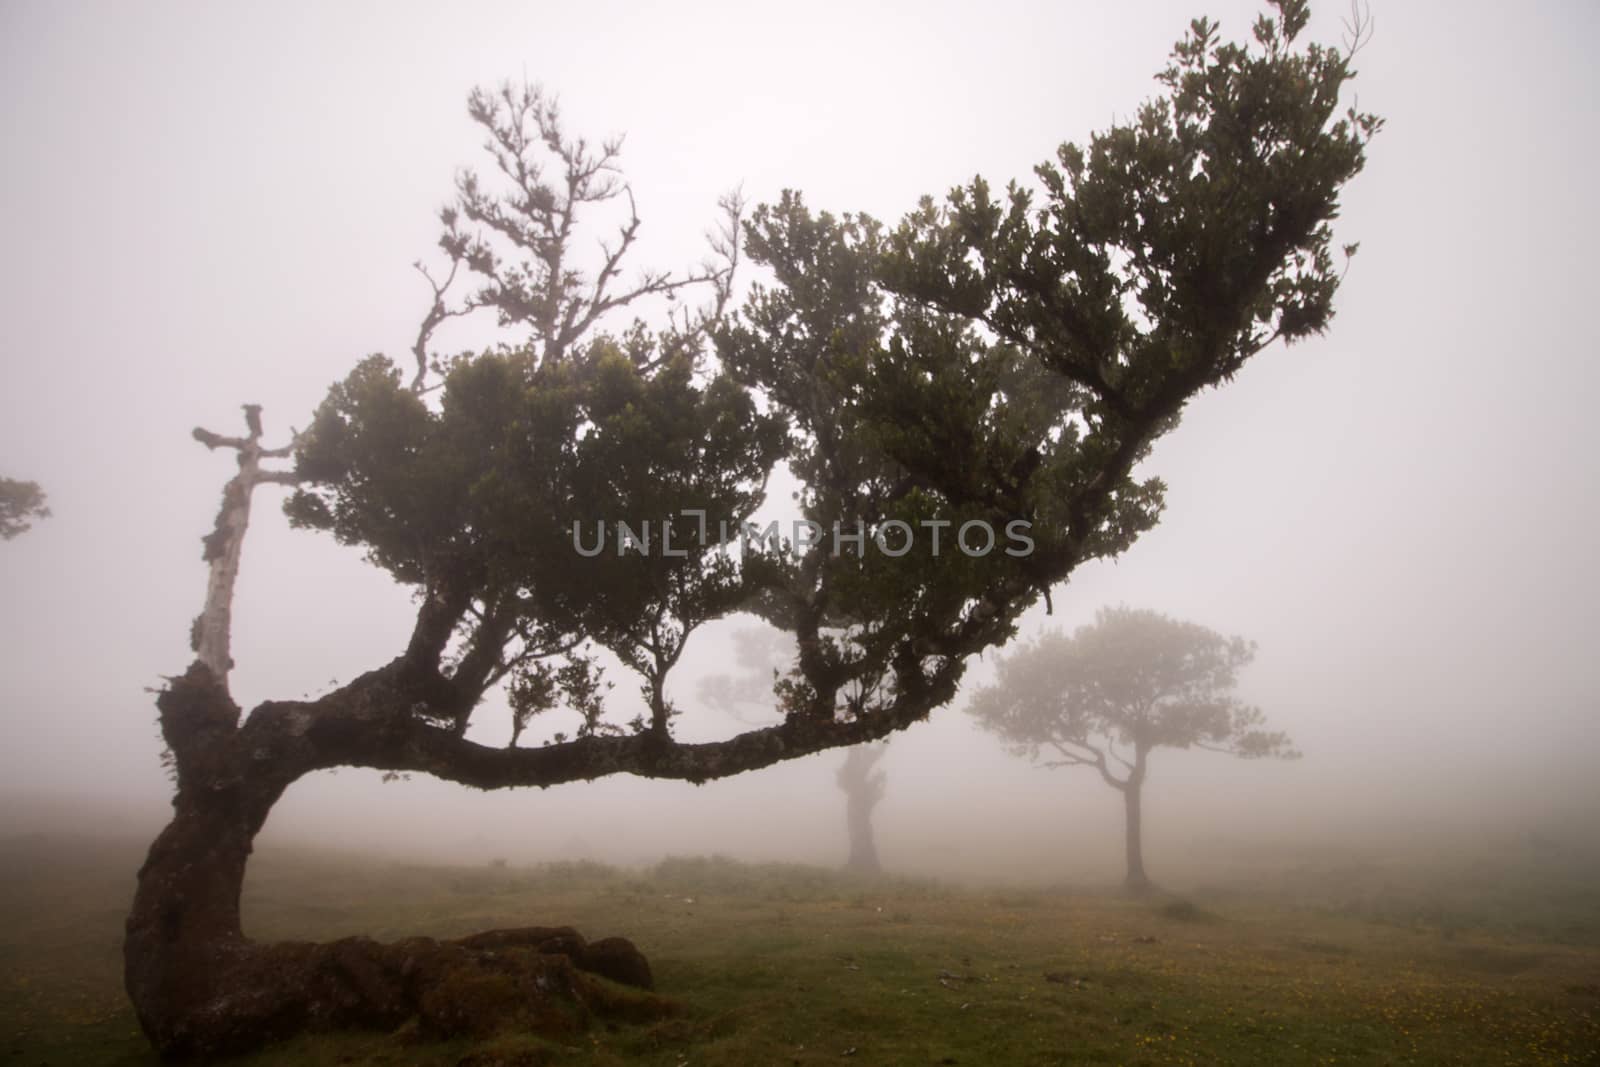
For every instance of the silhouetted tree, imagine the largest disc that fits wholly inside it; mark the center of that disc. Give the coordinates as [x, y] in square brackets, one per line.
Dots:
[863, 787]
[1109, 694]
[986, 362]
[20, 502]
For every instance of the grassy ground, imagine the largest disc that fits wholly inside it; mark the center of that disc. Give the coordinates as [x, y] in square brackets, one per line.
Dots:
[790, 965]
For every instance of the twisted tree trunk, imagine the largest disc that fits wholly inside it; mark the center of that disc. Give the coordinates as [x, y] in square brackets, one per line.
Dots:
[184, 944]
[200, 987]
[863, 789]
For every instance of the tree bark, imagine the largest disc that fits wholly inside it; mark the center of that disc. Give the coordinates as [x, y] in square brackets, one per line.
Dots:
[863, 789]
[1136, 880]
[200, 987]
[185, 956]
[184, 939]
[863, 848]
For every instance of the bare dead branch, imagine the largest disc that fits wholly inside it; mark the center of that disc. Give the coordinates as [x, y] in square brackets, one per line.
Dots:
[551, 182]
[210, 636]
[438, 312]
[215, 441]
[1358, 28]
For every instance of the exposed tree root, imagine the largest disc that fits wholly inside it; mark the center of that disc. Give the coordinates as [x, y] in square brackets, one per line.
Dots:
[539, 980]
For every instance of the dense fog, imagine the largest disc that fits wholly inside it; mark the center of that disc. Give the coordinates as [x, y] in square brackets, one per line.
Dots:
[210, 205]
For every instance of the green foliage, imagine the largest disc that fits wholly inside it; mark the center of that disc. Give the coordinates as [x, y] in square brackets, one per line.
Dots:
[902, 414]
[20, 502]
[1176, 246]
[483, 492]
[1001, 363]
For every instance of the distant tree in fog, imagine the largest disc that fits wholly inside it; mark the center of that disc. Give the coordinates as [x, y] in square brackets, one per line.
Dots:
[760, 652]
[1110, 693]
[20, 503]
[864, 786]
[992, 359]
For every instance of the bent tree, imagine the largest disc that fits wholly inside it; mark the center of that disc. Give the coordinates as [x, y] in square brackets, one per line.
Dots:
[989, 360]
[1109, 694]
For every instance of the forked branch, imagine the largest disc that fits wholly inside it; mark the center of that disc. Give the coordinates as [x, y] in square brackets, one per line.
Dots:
[210, 634]
[521, 241]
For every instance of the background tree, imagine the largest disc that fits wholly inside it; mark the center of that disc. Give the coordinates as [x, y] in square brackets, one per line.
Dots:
[20, 502]
[863, 786]
[981, 363]
[760, 653]
[1110, 693]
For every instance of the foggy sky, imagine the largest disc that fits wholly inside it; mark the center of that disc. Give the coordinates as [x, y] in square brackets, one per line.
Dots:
[211, 204]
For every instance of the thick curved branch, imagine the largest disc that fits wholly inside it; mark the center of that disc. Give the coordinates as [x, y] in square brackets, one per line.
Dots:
[444, 755]
[385, 720]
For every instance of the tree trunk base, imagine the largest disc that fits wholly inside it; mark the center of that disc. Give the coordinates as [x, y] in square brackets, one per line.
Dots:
[864, 865]
[1139, 886]
[538, 980]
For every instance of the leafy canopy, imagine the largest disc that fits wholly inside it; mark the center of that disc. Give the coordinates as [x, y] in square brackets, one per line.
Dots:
[1134, 678]
[990, 359]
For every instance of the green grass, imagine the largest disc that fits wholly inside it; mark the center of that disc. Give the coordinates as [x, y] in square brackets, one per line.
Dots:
[793, 965]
